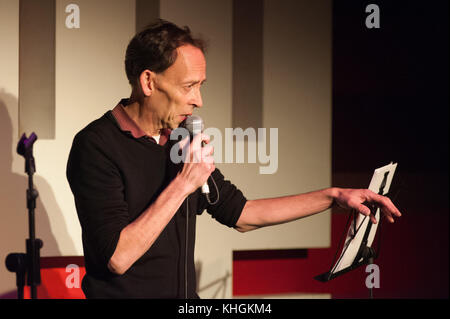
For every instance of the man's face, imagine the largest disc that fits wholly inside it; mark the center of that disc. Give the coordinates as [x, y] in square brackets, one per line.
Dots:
[177, 90]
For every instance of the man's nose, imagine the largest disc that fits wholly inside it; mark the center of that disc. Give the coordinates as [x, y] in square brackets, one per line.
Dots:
[198, 101]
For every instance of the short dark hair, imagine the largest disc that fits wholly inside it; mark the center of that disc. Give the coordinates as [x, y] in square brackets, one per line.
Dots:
[154, 48]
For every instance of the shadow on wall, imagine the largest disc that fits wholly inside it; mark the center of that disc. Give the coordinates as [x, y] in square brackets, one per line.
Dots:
[13, 208]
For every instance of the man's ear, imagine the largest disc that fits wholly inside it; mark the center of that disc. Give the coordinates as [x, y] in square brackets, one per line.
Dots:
[146, 81]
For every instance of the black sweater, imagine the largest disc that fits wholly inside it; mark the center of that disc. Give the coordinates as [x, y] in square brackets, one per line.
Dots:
[114, 177]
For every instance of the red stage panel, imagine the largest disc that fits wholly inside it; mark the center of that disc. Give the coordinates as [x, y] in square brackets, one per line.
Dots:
[58, 281]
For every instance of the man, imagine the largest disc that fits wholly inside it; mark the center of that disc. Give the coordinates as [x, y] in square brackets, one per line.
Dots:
[137, 208]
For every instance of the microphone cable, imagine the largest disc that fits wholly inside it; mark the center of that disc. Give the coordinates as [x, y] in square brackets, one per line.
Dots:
[217, 192]
[187, 235]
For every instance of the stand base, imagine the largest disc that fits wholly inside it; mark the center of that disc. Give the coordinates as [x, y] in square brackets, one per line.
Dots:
[26, 268]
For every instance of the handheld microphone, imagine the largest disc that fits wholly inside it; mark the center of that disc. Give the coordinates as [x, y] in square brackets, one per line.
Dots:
[194, 124]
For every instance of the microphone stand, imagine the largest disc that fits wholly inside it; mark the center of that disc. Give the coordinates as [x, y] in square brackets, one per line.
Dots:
[28, 265]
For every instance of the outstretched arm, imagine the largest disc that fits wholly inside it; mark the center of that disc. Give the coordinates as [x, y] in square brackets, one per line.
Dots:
[274, 211]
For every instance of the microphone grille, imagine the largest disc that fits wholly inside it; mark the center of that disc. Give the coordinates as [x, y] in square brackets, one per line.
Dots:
[194, 124]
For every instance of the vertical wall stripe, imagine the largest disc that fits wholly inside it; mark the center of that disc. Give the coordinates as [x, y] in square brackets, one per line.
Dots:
[37, 68]
[147, 11]
[248, 18]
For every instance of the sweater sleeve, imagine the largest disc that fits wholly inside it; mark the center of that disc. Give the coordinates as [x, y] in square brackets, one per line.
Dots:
[231, 200]
[99, 197]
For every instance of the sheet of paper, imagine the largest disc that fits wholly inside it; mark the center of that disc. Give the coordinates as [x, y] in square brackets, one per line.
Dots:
[354, 238]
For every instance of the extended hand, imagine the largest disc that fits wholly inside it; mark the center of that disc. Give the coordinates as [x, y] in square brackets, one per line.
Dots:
[356, 198]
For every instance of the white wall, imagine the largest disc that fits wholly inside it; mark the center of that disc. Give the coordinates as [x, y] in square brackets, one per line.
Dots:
[13, 218]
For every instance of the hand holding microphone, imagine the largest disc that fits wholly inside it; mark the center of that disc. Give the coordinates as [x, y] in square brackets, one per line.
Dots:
[201, 163]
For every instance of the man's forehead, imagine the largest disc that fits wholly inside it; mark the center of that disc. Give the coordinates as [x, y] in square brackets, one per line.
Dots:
[190, 56]
[189, 66]
[190, 53]
[189, 59]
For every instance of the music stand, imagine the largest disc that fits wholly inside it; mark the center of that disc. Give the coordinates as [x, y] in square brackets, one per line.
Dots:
[357, 250]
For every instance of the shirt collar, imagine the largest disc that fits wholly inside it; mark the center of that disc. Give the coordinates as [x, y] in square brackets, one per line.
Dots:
[127, 124]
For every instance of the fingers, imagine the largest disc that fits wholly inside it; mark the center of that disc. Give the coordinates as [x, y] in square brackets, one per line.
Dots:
[394, 209]
[184, 143]
[357, 198]
[207, 150]
[364, 210]
[198, 161]
[387, 207]
[194, 150]
[388, 215]
[373, 219]
[199, 139]
[203, 154]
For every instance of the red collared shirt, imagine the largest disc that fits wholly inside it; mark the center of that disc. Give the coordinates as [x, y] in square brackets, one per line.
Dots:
[126, 123]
